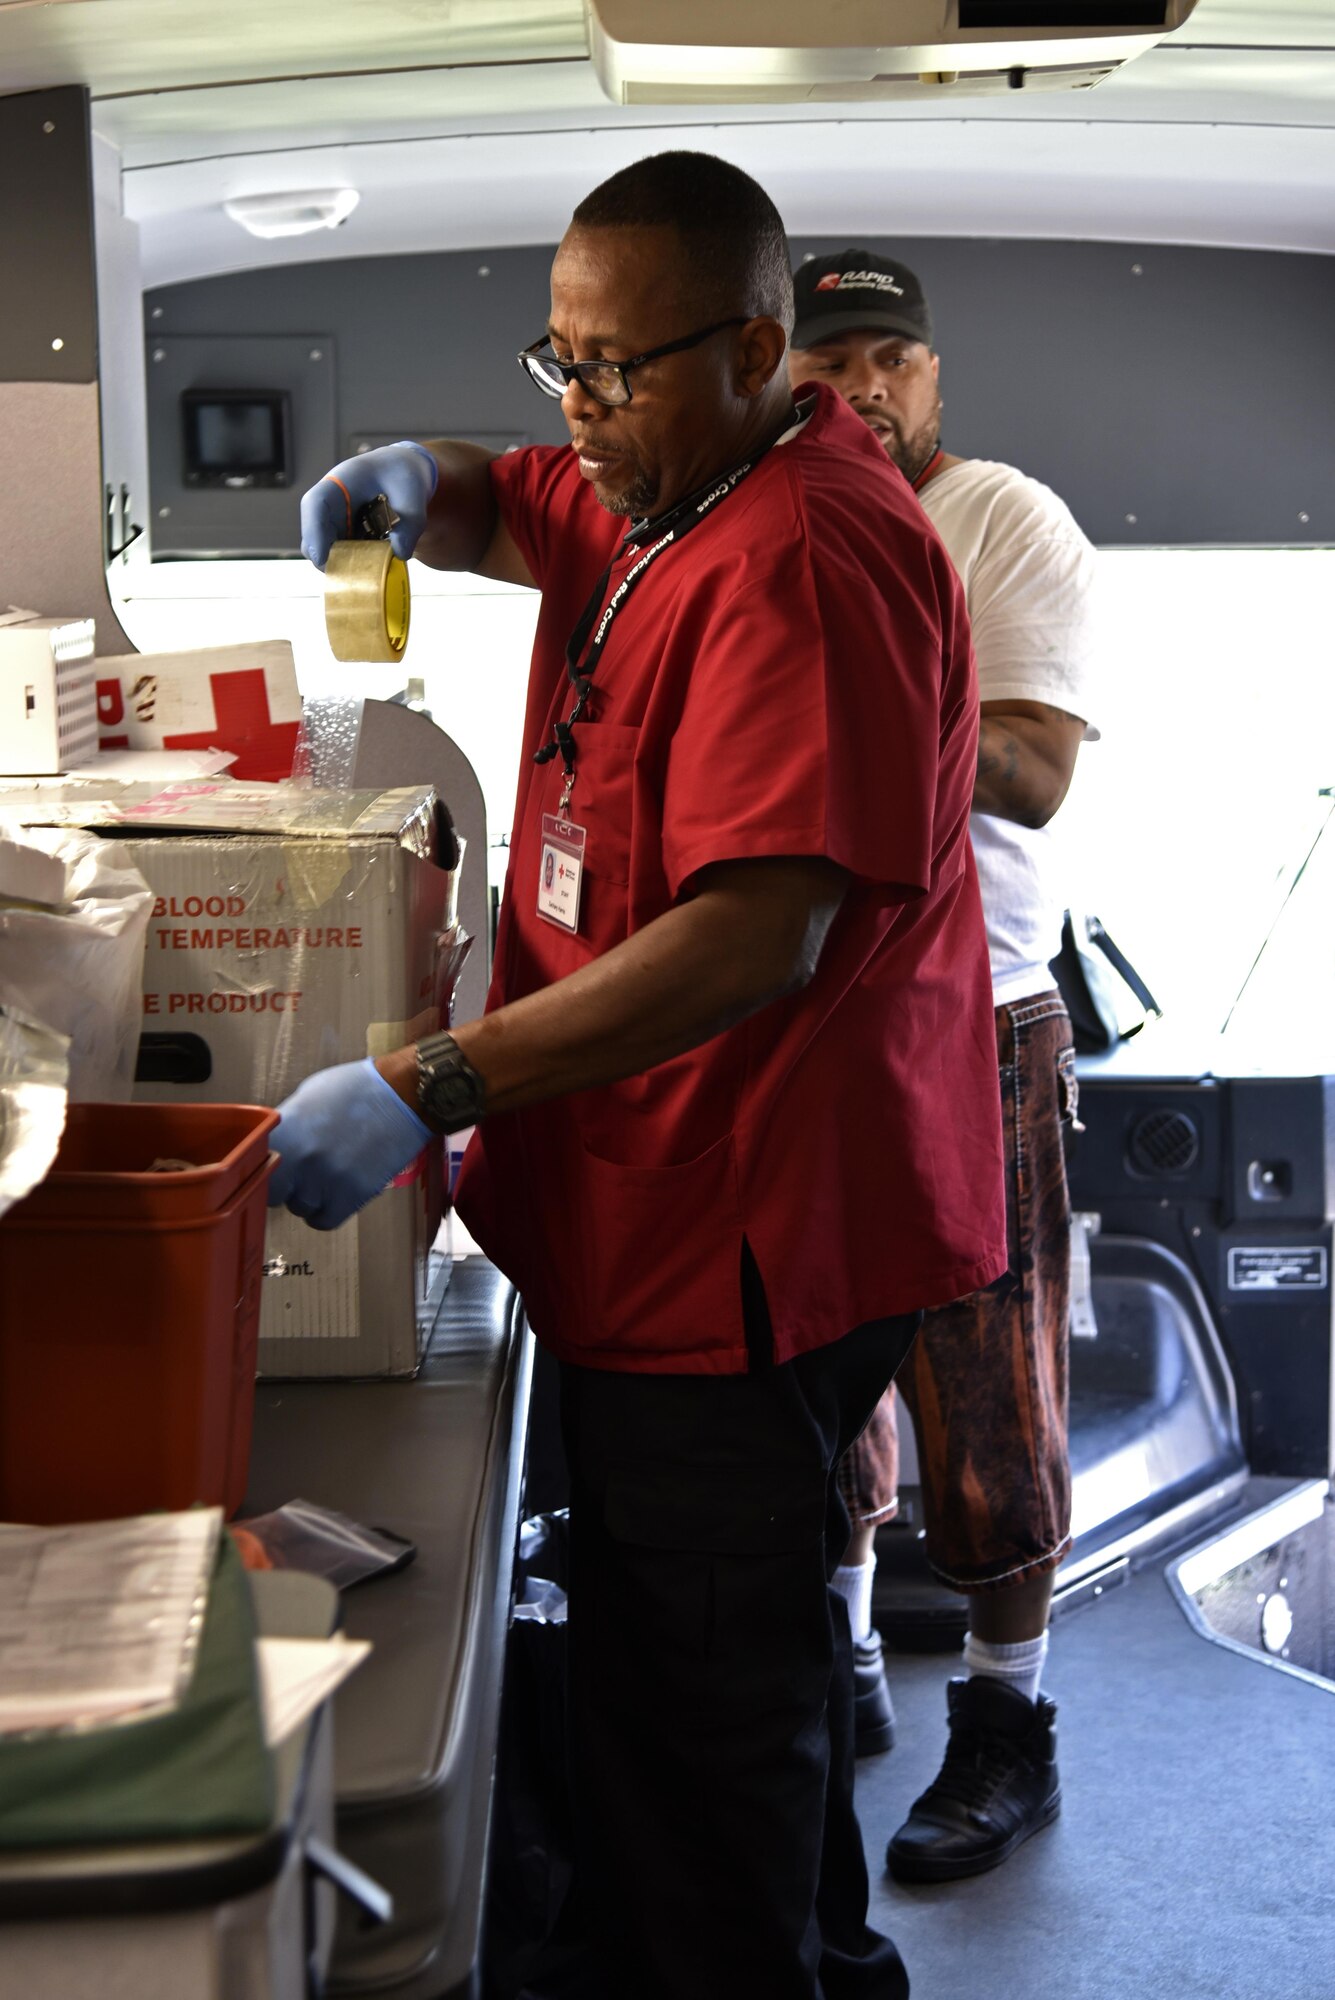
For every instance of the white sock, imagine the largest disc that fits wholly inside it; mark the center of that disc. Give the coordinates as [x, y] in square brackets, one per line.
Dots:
[853, 1582]
[1019, 1665]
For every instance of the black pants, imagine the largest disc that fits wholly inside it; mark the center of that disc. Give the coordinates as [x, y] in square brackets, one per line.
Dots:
[717, 1850]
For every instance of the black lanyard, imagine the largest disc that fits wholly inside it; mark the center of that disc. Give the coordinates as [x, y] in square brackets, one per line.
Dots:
[670, 529]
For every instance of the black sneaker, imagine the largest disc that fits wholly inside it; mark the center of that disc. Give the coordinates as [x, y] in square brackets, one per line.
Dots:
[873, 1712]
[998, 1785]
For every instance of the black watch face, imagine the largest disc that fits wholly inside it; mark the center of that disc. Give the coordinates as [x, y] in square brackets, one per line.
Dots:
[439, 1097]
[451, 1097]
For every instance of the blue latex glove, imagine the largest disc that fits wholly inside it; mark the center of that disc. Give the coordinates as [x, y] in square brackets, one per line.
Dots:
[405, 473]
[341, 1138]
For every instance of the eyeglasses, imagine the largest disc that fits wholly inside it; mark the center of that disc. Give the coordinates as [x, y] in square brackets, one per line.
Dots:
[606, 380]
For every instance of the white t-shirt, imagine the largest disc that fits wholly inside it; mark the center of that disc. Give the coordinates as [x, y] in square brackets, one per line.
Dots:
[1028, 576]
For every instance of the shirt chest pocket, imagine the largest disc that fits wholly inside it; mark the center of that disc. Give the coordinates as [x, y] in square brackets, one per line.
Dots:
[602, 802]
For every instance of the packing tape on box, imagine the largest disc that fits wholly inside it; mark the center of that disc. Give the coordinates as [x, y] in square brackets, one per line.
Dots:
[366, 602]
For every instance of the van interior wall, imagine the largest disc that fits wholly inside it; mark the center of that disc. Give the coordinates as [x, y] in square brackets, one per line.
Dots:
[1172, 395]
[57, 336]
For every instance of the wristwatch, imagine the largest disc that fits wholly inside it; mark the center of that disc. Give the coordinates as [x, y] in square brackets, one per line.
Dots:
[450, 1092]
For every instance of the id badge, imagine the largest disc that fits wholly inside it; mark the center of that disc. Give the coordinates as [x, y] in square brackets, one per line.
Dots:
[561, 871]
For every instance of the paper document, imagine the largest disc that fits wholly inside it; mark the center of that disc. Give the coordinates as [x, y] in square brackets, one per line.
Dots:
[296, 1675]
[101, 1620]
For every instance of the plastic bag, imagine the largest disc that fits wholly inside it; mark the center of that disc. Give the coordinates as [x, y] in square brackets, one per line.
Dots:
[321, 1542]
[540, 1577]
[34, 1071]
[74, 960]
[534, 1947]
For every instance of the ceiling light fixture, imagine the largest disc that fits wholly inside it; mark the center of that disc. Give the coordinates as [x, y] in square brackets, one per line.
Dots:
[270, 215]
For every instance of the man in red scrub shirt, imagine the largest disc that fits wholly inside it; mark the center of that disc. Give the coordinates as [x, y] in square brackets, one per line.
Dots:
[735, 1086]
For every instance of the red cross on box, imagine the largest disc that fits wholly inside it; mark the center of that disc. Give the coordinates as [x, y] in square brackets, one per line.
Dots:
[264, 748]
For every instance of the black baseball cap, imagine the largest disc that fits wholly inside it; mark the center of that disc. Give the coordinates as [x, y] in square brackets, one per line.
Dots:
[856, 288]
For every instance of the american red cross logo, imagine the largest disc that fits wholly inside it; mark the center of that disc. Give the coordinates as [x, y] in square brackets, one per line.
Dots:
[241, 705]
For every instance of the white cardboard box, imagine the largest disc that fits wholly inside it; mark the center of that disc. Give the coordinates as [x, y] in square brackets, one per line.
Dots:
[243, 697]
[292, 929]
[48, 701]
[316, 935]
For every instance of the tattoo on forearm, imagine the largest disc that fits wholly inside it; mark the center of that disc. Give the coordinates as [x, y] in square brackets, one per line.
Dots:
[998, 755]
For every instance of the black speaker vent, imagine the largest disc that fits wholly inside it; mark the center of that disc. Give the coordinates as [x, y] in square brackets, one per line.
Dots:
[1163, 1142]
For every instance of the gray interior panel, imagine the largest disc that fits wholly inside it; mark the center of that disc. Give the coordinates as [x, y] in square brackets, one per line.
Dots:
[257, 520]
[1126, 376]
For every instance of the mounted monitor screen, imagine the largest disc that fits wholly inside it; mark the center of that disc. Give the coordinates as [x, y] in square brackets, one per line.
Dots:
[236, 437]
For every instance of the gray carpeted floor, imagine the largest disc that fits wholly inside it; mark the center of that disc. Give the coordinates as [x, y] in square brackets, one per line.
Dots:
[1195, 1855]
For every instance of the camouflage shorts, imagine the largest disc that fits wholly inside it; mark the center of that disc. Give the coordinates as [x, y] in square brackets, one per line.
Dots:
[986, 1382]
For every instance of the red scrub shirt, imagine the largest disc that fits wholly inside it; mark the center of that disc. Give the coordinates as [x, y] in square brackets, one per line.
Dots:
[795, 679]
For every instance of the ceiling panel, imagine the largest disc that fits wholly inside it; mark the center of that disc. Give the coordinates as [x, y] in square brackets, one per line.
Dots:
[1205, 86]
[170, 73]
[269, 117]
[143, 45]
[1257, 23]
[1223, 86]
[1261, 188]
[469, 122]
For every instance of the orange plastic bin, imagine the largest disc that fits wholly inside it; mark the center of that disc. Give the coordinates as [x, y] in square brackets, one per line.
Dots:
[129, 1314]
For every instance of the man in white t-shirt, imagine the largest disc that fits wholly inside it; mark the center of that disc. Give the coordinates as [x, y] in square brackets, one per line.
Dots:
[987, 1381]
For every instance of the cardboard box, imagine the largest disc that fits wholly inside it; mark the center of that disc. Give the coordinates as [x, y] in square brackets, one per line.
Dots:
[239, 698]
[289, 933]
[292, 929]
[48, 702]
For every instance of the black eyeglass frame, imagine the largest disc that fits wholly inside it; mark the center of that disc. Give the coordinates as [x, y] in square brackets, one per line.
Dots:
[574, 370]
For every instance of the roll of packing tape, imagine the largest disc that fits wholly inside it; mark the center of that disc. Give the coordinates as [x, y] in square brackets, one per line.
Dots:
[366, 602]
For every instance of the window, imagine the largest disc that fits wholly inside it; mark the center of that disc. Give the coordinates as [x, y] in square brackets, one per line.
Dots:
[1187, 824]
